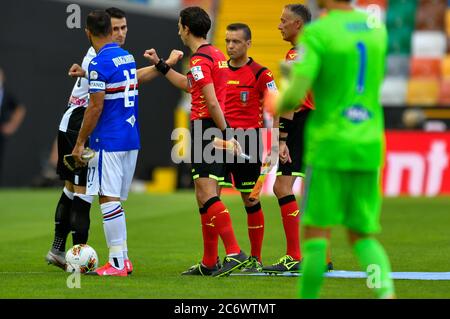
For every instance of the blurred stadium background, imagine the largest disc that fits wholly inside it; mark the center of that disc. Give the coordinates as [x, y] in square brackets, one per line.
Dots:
[36, 50]
[37, 47]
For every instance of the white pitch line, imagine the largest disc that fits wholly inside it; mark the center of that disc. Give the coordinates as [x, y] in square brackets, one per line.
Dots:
[362, 275]
[23, 272]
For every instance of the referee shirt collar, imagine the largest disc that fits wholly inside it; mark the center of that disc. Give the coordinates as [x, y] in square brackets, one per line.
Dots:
[107, 46]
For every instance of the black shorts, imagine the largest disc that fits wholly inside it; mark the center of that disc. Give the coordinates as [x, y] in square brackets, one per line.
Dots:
[243, 176]
[201, 167]
[66, 143]
[295, 143]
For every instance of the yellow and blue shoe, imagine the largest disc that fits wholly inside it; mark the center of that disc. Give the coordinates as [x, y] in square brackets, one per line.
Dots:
[284, 264]
[231, 263]
[253, 265]
[201, 270]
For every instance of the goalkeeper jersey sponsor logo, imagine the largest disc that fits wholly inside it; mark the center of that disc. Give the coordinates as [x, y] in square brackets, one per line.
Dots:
[357, 114]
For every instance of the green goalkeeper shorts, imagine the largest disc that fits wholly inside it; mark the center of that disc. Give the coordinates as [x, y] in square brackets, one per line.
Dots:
[348, 198]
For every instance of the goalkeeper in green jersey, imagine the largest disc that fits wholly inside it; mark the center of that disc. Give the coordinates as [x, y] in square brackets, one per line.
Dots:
[342, 58]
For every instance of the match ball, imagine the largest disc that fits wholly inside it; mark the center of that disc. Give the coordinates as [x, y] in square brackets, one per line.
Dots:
[81, 258]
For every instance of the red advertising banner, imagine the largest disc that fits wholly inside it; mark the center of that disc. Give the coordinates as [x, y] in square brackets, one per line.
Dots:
[417, 164]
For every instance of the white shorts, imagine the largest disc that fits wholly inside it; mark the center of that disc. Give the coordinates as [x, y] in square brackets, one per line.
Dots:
[111, 173]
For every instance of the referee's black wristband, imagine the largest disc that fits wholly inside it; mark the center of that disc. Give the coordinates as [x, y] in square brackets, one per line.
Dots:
[162, 66]
[285, 125]
[282, 139]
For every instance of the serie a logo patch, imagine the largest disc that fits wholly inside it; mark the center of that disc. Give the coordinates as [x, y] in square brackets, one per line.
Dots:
[245, 95]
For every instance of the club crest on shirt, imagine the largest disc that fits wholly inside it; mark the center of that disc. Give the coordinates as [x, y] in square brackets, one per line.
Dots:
[93, 75]
[245, 96]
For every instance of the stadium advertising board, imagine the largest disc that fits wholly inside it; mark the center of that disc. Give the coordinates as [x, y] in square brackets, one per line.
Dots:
[417, 164]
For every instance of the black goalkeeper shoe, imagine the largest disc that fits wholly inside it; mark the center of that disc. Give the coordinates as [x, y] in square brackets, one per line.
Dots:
[284, 264]
[201, 270]
[329, 267]
[231, 263]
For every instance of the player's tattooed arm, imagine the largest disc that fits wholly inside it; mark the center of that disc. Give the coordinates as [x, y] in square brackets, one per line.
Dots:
[177, 79]
[91, 117]
[148, 73]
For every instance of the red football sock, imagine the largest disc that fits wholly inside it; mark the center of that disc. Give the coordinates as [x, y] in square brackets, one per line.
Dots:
[221, 218]
[291, 221]
[255, 222]
[210, 241]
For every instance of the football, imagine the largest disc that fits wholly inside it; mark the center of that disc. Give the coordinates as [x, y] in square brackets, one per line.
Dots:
[81, 258]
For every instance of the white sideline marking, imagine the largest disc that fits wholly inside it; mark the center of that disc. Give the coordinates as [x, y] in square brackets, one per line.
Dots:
[23, 272]
[360, 274]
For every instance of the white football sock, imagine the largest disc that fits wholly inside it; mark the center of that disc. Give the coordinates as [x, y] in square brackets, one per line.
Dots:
[125, 249]
[113, 225]
[116, 257]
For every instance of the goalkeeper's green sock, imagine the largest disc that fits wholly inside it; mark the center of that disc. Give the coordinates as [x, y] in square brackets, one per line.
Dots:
[314, 257]
[374, 260]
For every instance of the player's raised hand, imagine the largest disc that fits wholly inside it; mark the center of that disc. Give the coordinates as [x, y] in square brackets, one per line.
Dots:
[76, 71]
[174, 57]
[152, 56]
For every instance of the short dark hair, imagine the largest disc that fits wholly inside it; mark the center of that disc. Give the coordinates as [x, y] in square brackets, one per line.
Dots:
[241, 26]
[197, 20]
[300, 10]
[116, 13]
[98, 23]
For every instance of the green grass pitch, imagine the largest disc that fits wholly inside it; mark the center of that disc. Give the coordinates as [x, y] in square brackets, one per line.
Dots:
[164, 239]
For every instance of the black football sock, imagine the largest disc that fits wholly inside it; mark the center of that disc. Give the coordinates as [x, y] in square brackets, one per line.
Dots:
[80, 220]
[62, 221]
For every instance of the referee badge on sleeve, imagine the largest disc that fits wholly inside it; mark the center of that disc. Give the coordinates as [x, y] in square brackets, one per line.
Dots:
[245, 96]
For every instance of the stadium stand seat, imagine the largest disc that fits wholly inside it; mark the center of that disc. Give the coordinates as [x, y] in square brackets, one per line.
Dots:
[400, 40]
[425, 67]
[422, 92]
[393, 91]
[429, 44]
[447, 21]
[401, 14]
[398, 65]
[268, 47]
[366, 3]
[431, 15]
[444, 95]
[445, 67]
